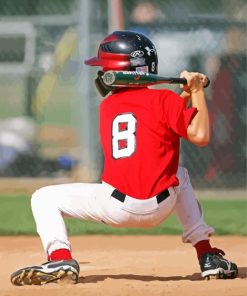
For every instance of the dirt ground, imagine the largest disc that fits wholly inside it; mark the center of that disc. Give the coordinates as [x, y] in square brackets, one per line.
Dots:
[126, 265]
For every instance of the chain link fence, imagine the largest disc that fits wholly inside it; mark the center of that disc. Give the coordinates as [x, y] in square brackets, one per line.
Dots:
[45, 86]
[208, 37]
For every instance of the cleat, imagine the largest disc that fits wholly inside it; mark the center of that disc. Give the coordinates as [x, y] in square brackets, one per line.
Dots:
[214, 266]
[62, 272]
[232, 275]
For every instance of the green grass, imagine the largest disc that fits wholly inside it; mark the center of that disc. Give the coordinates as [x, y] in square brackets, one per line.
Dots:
[229, 217]
[58, 109]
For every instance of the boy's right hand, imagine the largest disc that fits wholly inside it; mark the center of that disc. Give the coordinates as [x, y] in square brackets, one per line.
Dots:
[195, 81]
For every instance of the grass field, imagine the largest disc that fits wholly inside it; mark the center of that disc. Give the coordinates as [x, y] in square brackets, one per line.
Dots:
[228, 217]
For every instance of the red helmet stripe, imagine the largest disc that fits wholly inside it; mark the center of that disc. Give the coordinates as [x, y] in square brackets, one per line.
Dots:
[109, 38]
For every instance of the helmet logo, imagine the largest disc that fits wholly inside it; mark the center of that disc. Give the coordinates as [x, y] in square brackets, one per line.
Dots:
[137, 54]
[149, 50]
[137, 62]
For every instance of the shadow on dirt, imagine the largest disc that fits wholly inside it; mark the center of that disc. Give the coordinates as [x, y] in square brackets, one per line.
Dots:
[242, 274]
[136, 277]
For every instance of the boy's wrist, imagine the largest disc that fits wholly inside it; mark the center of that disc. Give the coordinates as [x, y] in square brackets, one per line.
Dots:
[197, 90]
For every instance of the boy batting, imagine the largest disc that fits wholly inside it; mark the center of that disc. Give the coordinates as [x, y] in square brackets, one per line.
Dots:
[142, 182]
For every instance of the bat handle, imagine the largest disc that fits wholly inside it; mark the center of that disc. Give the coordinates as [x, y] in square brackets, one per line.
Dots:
[207, 83]
[178, 81]
[184, 81]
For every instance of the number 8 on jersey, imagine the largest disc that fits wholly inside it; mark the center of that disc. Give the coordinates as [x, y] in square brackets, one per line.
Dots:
[123, 135]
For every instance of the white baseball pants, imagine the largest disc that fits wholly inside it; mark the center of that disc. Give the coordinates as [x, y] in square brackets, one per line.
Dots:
[94, 202]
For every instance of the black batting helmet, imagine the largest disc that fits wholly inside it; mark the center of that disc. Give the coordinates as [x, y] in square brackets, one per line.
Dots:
[127, 51]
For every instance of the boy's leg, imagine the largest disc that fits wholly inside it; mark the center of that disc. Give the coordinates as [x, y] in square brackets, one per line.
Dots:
[189, 211]
[49, 205]
[197, 232]
[52, 203]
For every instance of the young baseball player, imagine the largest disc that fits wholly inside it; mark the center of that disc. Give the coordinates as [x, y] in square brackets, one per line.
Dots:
[142, 184]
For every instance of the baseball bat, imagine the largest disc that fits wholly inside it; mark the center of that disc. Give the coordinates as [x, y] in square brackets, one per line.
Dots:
[139, 79]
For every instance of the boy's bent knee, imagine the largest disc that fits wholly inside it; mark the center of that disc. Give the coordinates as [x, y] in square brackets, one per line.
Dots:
[183, 176]
[41, 196]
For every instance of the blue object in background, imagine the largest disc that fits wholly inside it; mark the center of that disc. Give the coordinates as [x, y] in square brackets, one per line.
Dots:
[67, 162]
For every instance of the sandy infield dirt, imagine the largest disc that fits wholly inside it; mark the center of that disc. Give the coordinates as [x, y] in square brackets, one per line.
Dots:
[126, 265]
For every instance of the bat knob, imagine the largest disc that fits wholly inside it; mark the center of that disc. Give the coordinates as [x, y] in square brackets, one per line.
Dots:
[108, 78]
[207, 83]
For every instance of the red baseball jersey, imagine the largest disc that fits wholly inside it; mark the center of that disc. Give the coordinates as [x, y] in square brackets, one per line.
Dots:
[140, 130]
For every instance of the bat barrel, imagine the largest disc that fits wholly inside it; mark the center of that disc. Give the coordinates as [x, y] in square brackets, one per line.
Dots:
[129, 78]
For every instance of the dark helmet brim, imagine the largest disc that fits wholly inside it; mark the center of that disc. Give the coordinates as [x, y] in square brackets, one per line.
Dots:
[94, 61]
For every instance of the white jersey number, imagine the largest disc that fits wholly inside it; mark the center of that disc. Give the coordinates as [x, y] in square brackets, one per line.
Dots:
[123, 135]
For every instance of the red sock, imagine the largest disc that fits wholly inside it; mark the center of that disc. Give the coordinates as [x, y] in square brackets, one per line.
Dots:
[60, 254]
[205, 247]
[202, 247]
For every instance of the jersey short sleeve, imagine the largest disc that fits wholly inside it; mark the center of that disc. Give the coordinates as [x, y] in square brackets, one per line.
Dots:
[177, 116]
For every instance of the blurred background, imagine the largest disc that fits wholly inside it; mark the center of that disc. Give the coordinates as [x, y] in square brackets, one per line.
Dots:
[49, 104]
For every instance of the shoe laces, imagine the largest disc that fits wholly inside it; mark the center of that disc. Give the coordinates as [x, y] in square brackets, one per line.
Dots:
[217, 251]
